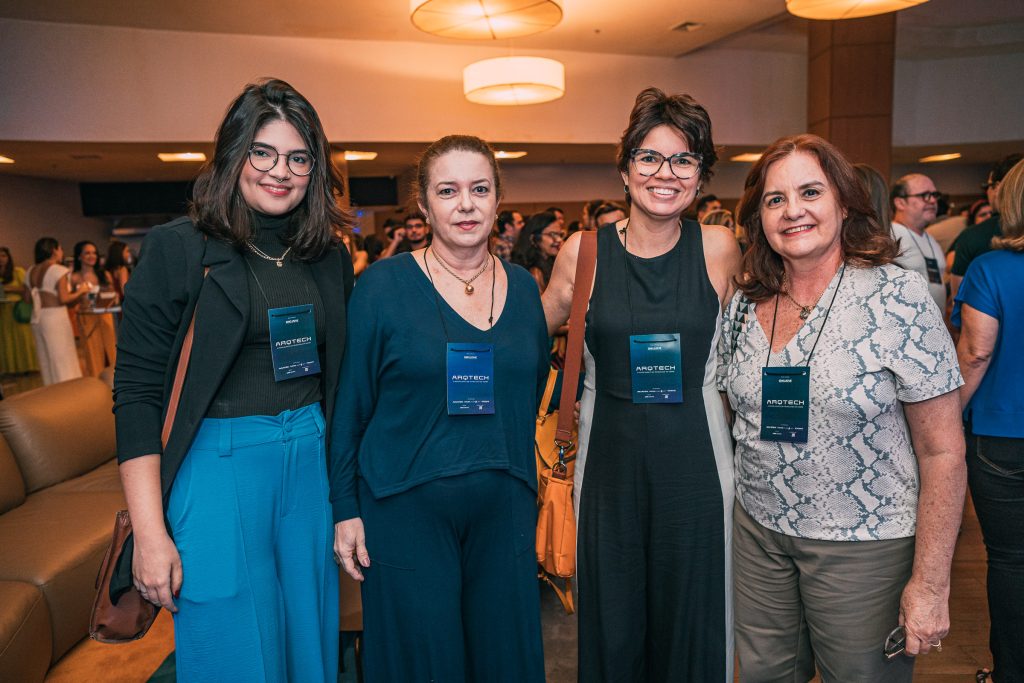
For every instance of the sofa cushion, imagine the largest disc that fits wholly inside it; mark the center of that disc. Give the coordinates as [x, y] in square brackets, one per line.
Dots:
[25, 638]
[59, 431]
[12, 486]
[106, 477]
[56, 542]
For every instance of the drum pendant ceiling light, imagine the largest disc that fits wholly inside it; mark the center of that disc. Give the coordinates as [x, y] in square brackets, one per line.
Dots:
[513, 81]
[847, 9]
[485, 19]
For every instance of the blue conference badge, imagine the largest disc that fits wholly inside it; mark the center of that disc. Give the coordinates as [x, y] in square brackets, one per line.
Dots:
[293, 342]
[470, 379]
[656, 365]
[785, 404]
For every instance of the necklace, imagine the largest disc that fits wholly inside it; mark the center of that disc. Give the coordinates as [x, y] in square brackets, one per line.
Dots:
[437, 301]
[805, 311]
[469, 286]
[263, 255]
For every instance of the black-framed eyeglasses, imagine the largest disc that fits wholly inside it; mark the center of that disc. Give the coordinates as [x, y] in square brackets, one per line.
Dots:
[264, 158]
[648, 162]
[923, 196]
[895, 643]
[557, 236]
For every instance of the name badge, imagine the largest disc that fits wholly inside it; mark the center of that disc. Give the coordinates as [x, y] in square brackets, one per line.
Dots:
[656, 365]
[932, 266]
[293, 342]
[785, 404]
[470, 379]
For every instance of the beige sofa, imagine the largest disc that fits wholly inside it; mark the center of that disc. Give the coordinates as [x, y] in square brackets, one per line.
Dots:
[59, 491]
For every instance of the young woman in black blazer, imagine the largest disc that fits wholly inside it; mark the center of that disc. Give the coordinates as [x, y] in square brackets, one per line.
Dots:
[232, 520]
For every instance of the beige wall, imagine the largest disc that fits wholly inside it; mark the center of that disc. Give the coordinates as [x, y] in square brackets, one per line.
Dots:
[34, 208]
[107, 84]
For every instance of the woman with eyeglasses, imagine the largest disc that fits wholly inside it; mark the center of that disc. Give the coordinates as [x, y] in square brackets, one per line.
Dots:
[538, 245]
[654, 468]
[232, 521]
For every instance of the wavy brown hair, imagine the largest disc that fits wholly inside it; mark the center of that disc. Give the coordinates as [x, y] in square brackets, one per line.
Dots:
[218, 208]
[864, 241]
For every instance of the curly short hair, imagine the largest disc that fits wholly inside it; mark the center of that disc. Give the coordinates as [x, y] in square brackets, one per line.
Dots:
[654, 108]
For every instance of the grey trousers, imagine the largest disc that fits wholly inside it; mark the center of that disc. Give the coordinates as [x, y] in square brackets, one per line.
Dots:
[802, 602]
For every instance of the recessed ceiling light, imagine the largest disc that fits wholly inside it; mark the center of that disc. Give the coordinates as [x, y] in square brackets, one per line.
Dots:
[502, 154]
[181, 156]
[940, 157]
[353, 155]
[6, 160]
[748, 157]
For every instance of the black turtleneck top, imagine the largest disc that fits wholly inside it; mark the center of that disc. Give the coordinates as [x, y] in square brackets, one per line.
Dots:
[249, 388]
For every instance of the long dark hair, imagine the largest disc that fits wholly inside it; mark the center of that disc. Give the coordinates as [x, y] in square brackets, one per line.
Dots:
[864, 241]
[7, 273]
[101, 273]
[218, 208]
[45, 246]
[115, 256]
[526, 253]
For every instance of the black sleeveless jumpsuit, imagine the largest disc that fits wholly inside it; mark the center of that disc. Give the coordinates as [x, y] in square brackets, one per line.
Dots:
[652, 537]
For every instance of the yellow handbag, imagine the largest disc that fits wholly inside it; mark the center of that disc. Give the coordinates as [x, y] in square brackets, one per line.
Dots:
[555, 446]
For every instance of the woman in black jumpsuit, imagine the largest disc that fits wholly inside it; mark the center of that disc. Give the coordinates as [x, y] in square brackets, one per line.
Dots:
[654, 479]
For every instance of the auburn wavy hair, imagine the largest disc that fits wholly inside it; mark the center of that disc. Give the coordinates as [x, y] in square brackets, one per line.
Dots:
[864, 240]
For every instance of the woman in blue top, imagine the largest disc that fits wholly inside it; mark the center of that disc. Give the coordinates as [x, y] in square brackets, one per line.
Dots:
[432, 471]
[989, 309]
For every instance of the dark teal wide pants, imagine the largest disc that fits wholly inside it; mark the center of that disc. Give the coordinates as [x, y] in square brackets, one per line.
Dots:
[250, 514]
[451, 593]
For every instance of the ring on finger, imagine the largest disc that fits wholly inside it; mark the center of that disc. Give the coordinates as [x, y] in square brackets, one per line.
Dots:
[937, 646]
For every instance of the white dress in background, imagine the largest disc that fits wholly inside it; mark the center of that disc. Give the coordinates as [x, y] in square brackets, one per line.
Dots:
[51, 327]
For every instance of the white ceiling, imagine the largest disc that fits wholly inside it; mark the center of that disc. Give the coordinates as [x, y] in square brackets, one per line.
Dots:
[609, 26]
[940, 28]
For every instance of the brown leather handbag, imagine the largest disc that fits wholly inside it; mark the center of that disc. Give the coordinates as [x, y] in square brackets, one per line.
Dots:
[556, 452]
[123, 615]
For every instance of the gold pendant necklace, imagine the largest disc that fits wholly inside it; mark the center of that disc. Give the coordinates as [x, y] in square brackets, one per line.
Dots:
[468, 283]
[805, 311]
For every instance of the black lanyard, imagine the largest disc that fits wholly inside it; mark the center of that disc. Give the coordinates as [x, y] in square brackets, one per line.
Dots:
[629, 276]
[437, 297]
[917, 244]
[771, 342]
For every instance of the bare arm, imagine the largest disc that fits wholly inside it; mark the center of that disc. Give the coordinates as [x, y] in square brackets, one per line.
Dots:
[64, 293]
[978, 334]
[396, 238]
[360, 260]
[156, 566]
[557, 297]
[939, 444]
[722, 259]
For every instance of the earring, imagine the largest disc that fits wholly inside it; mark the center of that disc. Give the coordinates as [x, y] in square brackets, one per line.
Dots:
[625, 188]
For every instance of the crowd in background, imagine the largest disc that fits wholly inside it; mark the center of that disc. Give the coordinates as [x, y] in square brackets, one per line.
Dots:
[60, 313]
[968, 257]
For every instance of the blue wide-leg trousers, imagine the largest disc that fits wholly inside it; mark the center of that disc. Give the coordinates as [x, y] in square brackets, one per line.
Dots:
[250, 515]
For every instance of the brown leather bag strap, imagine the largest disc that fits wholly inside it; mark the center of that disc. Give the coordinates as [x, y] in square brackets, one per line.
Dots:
[179, 377]
[586, 262]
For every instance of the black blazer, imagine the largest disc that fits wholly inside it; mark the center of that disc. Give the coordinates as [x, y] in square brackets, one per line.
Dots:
[164, 290]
